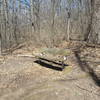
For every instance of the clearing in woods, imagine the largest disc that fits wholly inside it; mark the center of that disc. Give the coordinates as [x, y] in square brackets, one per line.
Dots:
[23, 79]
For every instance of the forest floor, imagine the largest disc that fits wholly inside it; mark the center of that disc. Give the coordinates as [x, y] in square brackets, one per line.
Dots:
[23, 79]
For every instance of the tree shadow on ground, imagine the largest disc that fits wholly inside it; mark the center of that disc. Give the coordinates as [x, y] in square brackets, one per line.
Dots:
[54, 67]
[86, 68]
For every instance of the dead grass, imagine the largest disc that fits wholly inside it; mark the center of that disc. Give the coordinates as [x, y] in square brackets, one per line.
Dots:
[22, 79]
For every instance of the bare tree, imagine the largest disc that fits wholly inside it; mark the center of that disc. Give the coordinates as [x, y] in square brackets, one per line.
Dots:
[48, 21]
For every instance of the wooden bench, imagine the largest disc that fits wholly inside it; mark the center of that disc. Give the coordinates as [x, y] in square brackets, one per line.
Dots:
[53, 62]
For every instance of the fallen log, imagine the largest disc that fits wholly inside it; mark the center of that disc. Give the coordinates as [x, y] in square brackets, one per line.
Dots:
[93, 45]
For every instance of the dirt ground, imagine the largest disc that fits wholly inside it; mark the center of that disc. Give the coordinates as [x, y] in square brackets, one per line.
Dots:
[22, 79]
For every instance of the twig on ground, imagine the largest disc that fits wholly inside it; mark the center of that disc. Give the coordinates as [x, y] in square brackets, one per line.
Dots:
[86, 90]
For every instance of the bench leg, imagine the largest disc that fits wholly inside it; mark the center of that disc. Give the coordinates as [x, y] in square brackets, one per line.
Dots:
[63, 65]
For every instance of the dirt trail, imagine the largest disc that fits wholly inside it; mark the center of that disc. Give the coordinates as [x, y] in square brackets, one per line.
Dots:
[22, 79]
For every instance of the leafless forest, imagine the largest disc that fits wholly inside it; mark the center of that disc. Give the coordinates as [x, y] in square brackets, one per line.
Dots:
[49, 49]
[48, 22]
